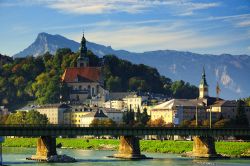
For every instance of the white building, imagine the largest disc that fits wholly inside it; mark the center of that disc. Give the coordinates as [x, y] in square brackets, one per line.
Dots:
[87, 119]
[114, 104]
[135, 101]
[54, 112]
[115, 115]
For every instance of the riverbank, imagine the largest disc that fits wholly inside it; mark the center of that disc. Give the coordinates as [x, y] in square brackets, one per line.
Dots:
[232, 149]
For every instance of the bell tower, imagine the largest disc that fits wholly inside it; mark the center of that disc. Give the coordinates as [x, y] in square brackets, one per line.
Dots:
[83, 60]
[203, 87]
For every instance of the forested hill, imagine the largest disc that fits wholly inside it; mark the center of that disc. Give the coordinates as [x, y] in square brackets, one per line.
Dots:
[38, 78]
[5, 59]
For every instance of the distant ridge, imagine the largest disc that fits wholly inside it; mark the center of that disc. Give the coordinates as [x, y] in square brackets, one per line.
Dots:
[231, 71]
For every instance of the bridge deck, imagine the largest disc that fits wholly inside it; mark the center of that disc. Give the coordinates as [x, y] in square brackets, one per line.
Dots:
[60, 130]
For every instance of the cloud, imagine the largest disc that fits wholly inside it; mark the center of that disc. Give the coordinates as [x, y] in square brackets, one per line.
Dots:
[141, 36]
[244, 23]
[187, 8]
[239, 21]
[182, 8]
[226, 80]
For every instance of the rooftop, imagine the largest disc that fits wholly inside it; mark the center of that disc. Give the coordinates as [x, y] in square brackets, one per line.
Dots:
[82, 74]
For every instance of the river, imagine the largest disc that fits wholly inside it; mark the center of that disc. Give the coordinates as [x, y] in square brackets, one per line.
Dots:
[16, 156]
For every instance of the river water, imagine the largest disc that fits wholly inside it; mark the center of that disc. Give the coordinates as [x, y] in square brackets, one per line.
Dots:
[16, 156]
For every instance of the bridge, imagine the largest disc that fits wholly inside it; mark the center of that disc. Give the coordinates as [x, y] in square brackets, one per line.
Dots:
[129, 147]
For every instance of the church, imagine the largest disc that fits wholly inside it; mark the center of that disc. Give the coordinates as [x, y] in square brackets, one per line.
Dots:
[85, 81]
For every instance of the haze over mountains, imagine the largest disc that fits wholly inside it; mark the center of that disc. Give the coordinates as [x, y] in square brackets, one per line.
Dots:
[231, 71]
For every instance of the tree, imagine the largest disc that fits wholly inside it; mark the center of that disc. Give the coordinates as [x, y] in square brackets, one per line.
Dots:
[3, 118]
[241, 118]
[138, 114]
[101, 123]
[109, 123]
[180, 89]
[223, 123]
[157, 123]
[129, 117]
[185, 123]
[17, 118]
[206, 123]
[137, 84]
[113, 84]
[144, 117]
[32, 117]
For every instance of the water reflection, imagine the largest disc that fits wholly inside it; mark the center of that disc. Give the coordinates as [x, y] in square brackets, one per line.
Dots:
[16, 156]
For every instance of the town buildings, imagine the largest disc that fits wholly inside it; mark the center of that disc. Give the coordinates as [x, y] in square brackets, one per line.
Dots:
[175, 111]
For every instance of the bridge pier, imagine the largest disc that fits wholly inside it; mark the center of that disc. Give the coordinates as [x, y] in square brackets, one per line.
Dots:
[46, 147]
[129, 148]
[204, 147]
[46, 151]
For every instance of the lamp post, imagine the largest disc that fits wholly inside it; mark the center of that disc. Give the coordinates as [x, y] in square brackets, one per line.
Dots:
[196, 116]
[210, 118]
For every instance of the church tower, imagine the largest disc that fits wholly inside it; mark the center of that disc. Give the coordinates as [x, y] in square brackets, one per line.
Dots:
[83, 60]
[203, 87]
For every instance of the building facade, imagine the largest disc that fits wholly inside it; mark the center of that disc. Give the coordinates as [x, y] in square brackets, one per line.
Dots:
[54, 112]
[85, 81]
[135, 102]
[87, 119]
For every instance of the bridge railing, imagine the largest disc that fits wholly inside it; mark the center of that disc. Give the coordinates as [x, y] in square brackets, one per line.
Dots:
[117, 126]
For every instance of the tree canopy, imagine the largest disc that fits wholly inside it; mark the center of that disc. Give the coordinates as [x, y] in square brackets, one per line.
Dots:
[32, 117]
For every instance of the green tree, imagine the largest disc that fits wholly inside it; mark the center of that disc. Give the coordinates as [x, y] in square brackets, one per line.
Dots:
[31, 117]
[144, 117]
[113, 84]
[34, 117]
[241, 118]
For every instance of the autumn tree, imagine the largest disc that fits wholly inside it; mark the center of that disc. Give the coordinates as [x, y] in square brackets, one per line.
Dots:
[157, 122]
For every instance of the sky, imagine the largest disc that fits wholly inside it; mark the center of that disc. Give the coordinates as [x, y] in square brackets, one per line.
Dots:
[201, 26]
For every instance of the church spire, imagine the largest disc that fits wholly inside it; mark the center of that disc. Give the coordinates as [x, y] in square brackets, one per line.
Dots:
[83, 60]
[203, 78]
[203, 87]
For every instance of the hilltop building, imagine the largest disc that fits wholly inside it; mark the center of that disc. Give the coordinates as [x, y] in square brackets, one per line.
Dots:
[85, 81]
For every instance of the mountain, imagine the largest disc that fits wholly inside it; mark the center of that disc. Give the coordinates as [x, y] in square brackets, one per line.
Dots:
[231, 71]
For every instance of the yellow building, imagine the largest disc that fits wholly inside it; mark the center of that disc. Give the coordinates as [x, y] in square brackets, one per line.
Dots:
[74, 115]
[175, 111]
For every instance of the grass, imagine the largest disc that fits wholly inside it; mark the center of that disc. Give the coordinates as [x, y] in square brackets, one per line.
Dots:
[227, 148]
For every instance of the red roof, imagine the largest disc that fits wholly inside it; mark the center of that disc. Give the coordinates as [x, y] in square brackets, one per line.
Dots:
[82, 74]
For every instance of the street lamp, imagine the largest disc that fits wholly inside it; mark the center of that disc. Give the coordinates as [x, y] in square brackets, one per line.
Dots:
[210, 117]
[196, 116]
